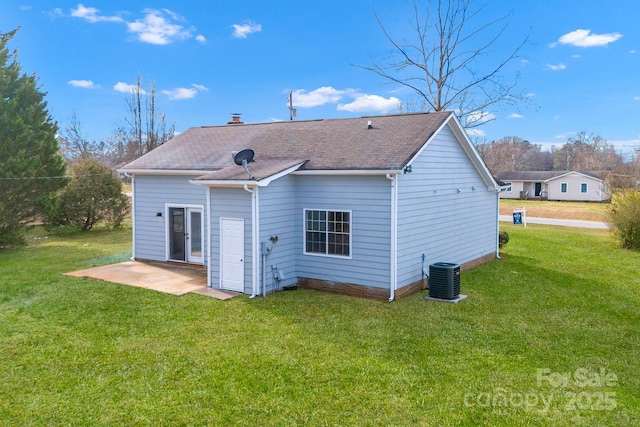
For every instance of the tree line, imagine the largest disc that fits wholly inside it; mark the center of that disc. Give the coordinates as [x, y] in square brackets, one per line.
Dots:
[584, 152]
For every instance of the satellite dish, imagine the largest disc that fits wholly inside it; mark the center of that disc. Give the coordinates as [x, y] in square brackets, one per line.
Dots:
[243, 157]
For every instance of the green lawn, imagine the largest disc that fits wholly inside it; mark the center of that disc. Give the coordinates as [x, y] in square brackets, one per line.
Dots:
[83, 352]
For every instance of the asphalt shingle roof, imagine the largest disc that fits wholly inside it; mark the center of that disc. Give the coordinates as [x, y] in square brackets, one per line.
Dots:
[333, 144]
[542, 175]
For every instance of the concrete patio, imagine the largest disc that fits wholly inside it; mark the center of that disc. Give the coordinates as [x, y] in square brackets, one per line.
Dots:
[171, 279]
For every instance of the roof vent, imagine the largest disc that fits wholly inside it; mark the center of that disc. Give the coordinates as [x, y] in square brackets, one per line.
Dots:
[369, 125]
[235, 119]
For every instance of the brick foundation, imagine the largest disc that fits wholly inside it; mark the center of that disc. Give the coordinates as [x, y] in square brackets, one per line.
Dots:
[380, 293]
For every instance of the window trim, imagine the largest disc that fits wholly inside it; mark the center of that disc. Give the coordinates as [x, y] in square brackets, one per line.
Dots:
[584, 185]
[564, 187]
[327, 255]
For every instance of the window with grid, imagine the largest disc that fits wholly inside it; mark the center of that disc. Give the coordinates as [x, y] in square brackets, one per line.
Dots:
[563, 187]
[327, 232]
[583, 187]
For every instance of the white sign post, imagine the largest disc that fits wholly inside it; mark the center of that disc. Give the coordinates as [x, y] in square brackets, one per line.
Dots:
[520, 216]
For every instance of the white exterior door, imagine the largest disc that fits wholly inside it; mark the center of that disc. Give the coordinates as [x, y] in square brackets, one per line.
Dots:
[185, 234]
[194, 237]
[232, 254]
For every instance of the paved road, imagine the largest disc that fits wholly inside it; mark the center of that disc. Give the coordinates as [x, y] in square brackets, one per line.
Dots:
[560, 222]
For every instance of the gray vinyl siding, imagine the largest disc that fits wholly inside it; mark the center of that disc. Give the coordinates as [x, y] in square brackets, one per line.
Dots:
[231, 203]
[151, 194]
[435, 219]
[369, 200]
[277, 218]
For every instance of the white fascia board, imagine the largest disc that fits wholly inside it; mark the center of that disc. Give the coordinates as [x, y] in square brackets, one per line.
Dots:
[467, 146]
[576, 173]
[266, 181]
[252, 183]
[471, 151]
[171, 172]
[224, 183]
[348, 172]
[428, 141]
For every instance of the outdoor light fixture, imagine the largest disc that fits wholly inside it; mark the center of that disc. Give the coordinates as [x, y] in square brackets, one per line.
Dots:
[159, 214]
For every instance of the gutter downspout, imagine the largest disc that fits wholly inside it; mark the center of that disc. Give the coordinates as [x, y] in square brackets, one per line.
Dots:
[207, 212]
[255, 233]
[133, 215]
[394, 235]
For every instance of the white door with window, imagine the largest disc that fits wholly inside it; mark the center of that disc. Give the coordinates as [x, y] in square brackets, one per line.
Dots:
[185, 234]
[232, 254]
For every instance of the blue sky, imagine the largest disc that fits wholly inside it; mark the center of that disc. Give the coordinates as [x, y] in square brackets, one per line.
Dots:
[209, 59]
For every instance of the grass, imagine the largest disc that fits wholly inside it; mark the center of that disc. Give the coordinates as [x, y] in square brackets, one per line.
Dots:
[83, 352]
[583, 211]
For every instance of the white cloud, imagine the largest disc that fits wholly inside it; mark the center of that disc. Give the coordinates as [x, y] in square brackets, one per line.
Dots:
[636, 98]
[91, 14]
[516, 116]
[315, 98]
[480, 117]
[556, 67]
[185, 92]
[200, 38]
[158, 28]
[632, 51]
[127, 88]
[86, 84]
[370, 103]
[242, 31]
[26, 7]
[585, 38]
[55, 13]
[476, 132]
[576, 56]
[358, 102]
[180, 93]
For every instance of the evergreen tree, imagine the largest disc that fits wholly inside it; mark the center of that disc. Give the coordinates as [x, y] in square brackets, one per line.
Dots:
[31, 166]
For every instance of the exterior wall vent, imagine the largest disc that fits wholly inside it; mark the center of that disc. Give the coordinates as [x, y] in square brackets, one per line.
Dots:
[444, 280]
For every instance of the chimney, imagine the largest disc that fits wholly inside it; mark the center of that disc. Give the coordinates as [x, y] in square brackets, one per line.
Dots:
[235, 119]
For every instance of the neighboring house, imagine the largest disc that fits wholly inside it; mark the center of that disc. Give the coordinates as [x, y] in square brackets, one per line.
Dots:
[556, 185]
[357, 206]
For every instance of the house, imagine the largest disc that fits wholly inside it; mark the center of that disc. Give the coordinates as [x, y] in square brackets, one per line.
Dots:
[358, 206]
[556, 185]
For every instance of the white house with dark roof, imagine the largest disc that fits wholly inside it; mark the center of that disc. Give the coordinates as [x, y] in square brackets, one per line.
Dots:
[556, 185]
[358, 206]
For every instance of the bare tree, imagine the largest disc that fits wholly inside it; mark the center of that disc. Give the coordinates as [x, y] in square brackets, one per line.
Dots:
[513, 153]
[144, 127]
[587, 152]
[74, 145]
[442, 64]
